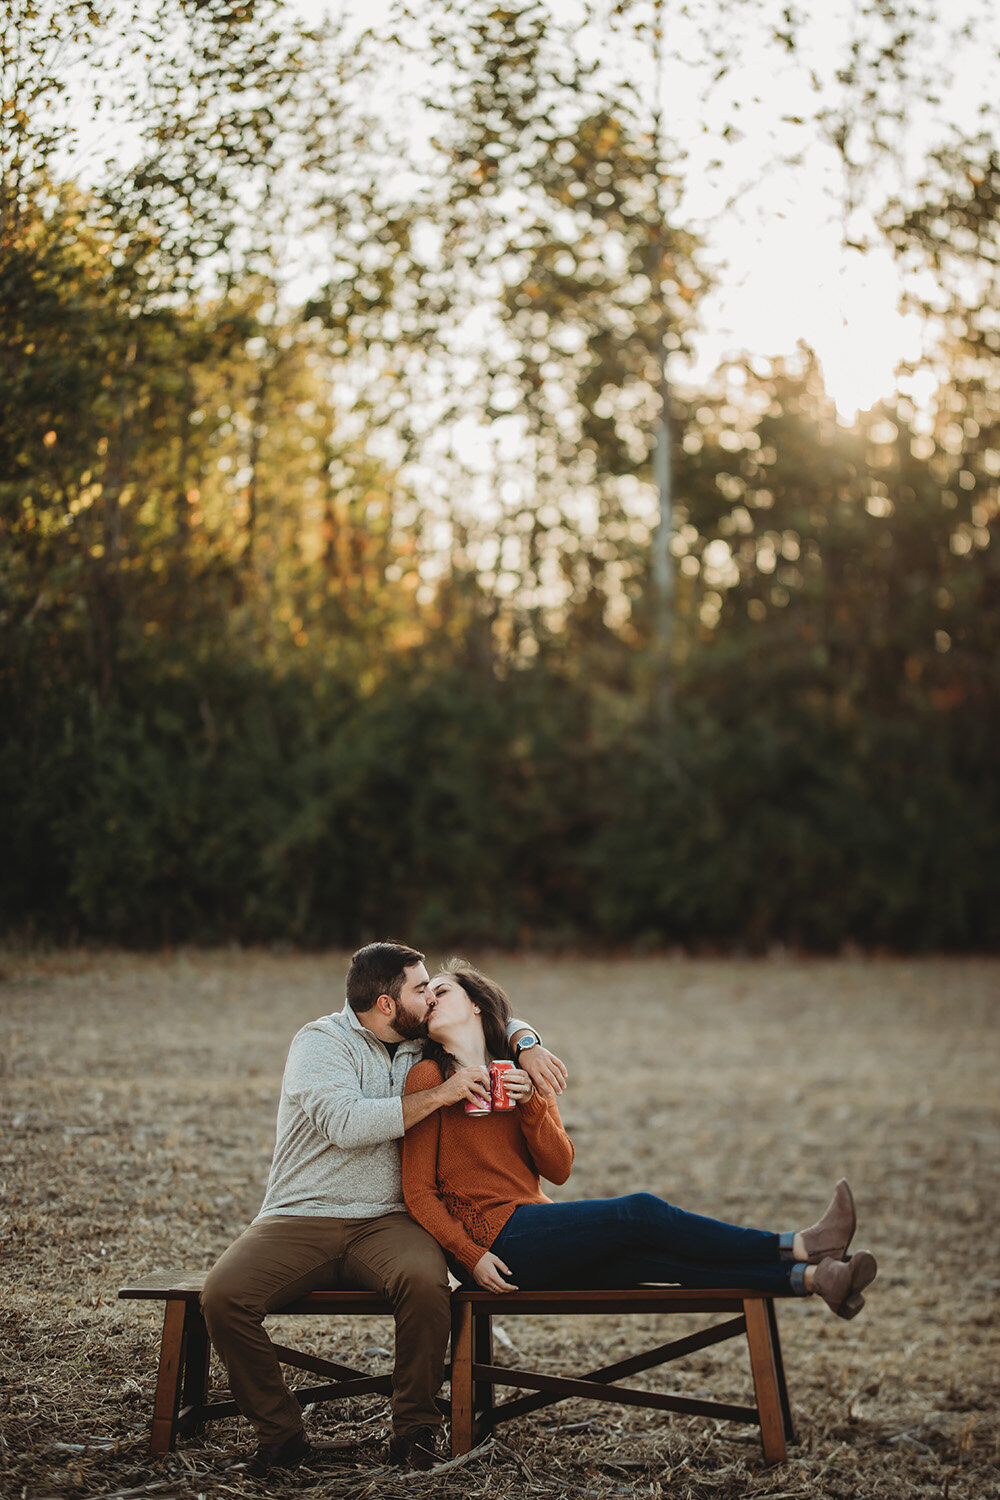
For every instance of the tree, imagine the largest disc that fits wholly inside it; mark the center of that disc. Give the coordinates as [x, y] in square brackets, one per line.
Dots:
[521, 282]
[946, 233]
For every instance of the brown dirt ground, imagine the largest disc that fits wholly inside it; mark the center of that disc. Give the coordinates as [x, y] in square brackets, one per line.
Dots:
[138, 1099]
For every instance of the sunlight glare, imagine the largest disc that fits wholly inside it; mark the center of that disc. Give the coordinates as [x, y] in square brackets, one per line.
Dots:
[798, 284]
[860, 335]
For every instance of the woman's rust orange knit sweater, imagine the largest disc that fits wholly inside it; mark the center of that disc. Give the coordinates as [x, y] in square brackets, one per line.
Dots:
[464, 1175]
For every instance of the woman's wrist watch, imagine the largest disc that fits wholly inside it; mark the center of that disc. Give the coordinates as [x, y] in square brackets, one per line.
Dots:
[524, 1044]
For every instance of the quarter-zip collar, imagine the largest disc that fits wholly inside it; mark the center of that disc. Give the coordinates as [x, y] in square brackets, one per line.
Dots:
[405, 1049]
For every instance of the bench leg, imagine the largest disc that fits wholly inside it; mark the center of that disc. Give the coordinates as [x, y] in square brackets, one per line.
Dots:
[765, 1379]
[194, 1386]
[168, 1379]
[462, 1413]
[482, 1390]
[779, 1365]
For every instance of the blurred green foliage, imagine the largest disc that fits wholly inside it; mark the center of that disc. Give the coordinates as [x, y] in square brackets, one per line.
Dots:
[264, 679]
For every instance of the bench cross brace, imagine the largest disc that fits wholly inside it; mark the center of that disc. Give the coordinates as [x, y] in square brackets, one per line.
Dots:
[664, 1354]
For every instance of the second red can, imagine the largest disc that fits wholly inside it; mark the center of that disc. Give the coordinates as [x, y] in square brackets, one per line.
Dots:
[501, 1098]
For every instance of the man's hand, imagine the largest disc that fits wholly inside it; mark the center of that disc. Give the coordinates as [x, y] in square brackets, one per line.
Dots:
[490, 1270]
[545, 1070]
[466, 1083]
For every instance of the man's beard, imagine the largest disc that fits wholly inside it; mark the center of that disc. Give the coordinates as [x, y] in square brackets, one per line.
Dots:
[411, 1027]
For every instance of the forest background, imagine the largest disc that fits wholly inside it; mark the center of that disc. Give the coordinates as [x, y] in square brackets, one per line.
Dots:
[368, 563]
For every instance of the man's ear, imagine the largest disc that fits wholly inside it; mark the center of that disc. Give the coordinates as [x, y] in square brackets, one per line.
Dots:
[386, 1005]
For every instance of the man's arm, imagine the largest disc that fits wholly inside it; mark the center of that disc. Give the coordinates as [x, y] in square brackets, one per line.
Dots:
[464, 1083]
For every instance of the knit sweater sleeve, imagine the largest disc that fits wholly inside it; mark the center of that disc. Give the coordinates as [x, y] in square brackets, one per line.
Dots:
[421, 1193]
[549, 1146]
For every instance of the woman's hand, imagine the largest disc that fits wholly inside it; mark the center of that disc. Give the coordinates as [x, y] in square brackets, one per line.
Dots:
[546, 1071]
[489, 1272]
[466, 1083]
[518, 1085]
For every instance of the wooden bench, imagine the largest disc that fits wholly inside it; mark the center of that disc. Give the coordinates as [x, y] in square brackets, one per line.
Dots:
[181, 1405]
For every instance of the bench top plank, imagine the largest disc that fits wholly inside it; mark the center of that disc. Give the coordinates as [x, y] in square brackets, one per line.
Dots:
[187, 1285]
[631, 1297]
[176, 1286]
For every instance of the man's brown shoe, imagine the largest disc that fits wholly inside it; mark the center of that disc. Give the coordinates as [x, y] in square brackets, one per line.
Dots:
[287, 1455]
[832, 1234]
[414, 1450]
[841, 1282]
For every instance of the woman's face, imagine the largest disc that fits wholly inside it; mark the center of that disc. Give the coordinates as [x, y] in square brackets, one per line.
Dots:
[447, 1004]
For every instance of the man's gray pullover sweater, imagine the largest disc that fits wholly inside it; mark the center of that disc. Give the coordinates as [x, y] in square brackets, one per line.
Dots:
[339, 1119]
[340, 1115]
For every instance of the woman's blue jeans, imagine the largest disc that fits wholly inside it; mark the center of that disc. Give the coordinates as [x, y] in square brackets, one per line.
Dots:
[618, 1242]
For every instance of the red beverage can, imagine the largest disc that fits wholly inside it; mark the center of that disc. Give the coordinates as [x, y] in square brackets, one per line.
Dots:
[501, 1098]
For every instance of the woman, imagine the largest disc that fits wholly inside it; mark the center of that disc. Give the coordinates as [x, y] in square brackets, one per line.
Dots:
[472, 1181]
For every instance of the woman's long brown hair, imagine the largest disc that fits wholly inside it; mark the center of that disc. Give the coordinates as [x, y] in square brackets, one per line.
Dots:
[494, 1012]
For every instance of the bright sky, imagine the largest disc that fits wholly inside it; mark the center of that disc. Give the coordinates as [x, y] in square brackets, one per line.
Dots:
[793, 280]
[769, 203]
[785, 271]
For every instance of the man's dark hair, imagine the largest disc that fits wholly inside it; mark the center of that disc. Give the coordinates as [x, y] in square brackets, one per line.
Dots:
[378, 969]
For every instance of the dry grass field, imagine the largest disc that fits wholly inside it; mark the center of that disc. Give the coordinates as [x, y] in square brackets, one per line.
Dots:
[138, 1101]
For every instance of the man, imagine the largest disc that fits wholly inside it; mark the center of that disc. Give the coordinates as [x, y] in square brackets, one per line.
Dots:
[333, 1213]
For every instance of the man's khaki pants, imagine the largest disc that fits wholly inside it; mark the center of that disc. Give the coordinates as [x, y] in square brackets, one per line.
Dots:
[279, 1259]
